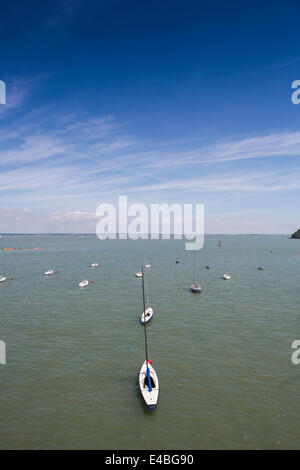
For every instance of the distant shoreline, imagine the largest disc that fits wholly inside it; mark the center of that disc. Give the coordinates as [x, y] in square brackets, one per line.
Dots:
[149, 235]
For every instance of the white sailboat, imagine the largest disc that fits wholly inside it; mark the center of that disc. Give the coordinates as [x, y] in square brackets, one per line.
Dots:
[50, 271]
[147, 375]
[226, 276]
[83, 283]
[148, 379]
[148, 313]
[2, 278]
[95, 265]
[139, 274]
[195, 286]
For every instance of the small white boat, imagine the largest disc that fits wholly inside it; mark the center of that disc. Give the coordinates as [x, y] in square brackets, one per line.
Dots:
[47, 273]
[147, 265]
[149, 393]
[260, 268]
[95, 265]
[226, 276]
[139, 274]
[195, 288]
[83, 283]
[147, 315]
[2, 278]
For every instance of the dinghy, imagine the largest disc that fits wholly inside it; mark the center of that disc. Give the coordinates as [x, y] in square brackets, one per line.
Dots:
[149, 385]
[139, 274]
[2, 278]
[95, 265]
[147, 315]
[83, 283]
[226, 276]
[47, 273]
[147, 265]
[195, 288]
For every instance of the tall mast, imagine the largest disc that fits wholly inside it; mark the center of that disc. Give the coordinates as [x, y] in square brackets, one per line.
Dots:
[145, 331]
[144, 306]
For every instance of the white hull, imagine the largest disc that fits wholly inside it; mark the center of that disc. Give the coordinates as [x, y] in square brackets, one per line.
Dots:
[95, 265]
[196, 288]
[2, 278]
[147, 265]
[139, 274]
[147, 316]
[83, 283]
[226, 277]
[151, 398]
[47, 273]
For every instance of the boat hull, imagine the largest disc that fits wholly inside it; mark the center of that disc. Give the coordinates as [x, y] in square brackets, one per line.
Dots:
[196, 289]
[147, 315]
[150, 397]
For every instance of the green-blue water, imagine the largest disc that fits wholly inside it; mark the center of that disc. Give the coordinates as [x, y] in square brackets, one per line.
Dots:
[223, 357]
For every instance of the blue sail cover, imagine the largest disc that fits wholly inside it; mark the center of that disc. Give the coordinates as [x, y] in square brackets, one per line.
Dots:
[149, 380]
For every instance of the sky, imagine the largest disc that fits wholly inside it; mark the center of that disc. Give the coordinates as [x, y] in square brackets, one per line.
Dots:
[161, 101]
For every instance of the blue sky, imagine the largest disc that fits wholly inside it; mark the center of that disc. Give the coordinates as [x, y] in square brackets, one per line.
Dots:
[176, 102]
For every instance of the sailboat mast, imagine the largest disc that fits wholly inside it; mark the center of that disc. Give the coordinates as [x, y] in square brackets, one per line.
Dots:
[144, 306]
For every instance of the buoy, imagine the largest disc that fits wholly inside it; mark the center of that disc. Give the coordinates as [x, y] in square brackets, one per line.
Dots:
[12, 278]
[149, 360]
[92, 282]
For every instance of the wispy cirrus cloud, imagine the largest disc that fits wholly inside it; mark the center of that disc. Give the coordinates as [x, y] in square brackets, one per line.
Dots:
[50, 157]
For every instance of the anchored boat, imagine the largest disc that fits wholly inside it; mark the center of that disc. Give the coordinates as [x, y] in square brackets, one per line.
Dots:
[226, 276]
[50, 271]
[195, 286]
[148, 379]
[150, 393]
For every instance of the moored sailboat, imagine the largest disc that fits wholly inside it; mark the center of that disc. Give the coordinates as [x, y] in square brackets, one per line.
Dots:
[195, 286]
[148, 379]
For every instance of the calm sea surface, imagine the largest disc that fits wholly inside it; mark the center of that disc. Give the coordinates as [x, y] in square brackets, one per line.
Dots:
[223, 357]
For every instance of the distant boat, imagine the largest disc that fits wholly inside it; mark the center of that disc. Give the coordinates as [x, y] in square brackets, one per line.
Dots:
[95, 265]
[47, 273]
[177, 262]
[195, 286]
[219, 243]
[208, 266]
[226, 276]
[139, 274]
[147, 265]
[147, 315]
[83, 283]
[2, 278]
[260, 267]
